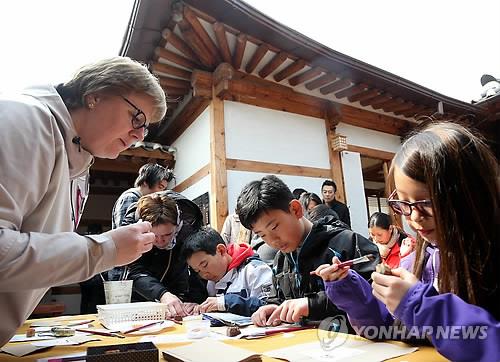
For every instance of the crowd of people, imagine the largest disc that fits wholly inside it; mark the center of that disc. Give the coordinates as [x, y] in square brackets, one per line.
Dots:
[278, 256]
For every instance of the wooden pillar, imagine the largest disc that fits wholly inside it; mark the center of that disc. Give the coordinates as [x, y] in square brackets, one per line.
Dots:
[218, 172]
[332, 119]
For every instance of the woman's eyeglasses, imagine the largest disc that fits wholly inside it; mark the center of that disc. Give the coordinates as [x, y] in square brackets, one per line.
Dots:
[139, 118]
[405, 208]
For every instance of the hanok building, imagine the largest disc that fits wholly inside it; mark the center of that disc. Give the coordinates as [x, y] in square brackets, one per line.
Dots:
[248, 96]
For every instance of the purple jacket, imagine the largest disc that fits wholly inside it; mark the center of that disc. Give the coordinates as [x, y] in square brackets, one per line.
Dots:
[444, 318]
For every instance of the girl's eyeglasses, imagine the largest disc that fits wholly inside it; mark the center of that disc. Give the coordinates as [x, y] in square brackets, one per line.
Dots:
[405, 208]
[139, 118]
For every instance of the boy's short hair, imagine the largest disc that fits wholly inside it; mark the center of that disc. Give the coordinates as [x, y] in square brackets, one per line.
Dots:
[157, 209]
[205, 239]
[329, 183]
[298, 192]
[269, 193]
[151, 174]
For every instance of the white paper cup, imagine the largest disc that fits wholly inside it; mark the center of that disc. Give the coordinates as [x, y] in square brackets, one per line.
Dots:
[118, 291]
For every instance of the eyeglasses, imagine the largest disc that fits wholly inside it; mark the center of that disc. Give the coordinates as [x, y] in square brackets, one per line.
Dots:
[139, 118]
[405, 208]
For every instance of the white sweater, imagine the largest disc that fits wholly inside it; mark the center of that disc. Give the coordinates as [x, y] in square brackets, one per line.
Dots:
[40, 171]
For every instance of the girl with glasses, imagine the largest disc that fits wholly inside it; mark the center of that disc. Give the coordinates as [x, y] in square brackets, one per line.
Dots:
[446, 185]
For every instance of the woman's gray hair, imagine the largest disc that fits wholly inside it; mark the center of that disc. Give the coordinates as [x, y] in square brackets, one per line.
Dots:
[114, 76]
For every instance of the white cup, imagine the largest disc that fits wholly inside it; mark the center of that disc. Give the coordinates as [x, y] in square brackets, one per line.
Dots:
[118, 291]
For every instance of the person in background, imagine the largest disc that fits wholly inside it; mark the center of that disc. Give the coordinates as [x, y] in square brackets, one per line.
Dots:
[309, 201]
[238, 281]
[387, 237]
[328, 190]
[100, 112]
[446, 184]
[152, 177]
[233, 232]
[298, 192]
[162, 273]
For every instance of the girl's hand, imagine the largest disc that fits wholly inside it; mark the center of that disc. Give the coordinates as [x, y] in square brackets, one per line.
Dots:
[209, 305]
[390, 289]
[330, 273]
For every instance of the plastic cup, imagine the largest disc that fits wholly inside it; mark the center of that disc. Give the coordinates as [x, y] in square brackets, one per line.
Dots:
[197, 328]
[118, 291]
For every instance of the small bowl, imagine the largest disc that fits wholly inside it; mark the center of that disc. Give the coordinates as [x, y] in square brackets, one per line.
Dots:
[197, 328]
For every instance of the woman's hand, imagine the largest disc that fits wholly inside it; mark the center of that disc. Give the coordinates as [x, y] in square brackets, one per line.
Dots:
[209, 305]
[390, 289]
[174, 305]
[330, 273]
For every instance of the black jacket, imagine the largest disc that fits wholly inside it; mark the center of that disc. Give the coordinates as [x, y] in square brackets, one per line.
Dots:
[342, 210]
[159, 271]
[328, 237]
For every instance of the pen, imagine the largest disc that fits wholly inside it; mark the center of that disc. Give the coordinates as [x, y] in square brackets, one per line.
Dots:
[363, 259]
[141, 327]
[80, 323]
[99, 333]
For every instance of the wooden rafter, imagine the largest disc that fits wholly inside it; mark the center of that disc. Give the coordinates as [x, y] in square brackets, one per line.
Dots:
[191, 17]
[377, 100]
[197, 45]
[175, 58]
[355, 89]
[290, 70]
[179, 44]
[305, 76]
[273, 64]
[403, 107]
[387, 105]
[256, 57]
[241, 42]
[324, 79]
[168, 82]
[220, 35]
[174, 92]
[170, 70]
[333, 87]
[369, 94]
[411, 112]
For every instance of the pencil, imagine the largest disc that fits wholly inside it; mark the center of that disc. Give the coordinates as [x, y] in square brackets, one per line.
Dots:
[141, 327]
[99, 333]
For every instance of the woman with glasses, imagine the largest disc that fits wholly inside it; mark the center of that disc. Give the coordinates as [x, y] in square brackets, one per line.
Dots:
[49, 137]
[446, 185]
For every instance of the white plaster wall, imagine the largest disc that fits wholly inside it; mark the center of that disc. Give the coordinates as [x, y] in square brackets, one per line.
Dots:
[368, 138]
[236, 180]
[193, 148]
[355, 192]
[260, 134]
[198, 188]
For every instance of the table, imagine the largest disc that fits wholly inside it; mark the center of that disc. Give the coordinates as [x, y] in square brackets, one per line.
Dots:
[425, 353]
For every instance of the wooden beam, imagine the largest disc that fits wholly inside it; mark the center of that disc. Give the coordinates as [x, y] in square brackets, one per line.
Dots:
[411, 112]
[191, 17]
[305, 76]
[355, 89]
[198, 46]
[175, 92]
[403, 107]
[273, 64]
[256, 57]
[369, 94]
[194, 178]
[333, 87]
[290, 70]
[372, 153]
[171, 70]
[241, 42]
[371, 120]
[388, 105]
[276, 168]
[104, 164]
[377, 100]
[179, 44]
[260, 92]
[218, 170]
[201, 82]
[168, 82]
[183, 117]
[141, 152]
[175, 58]
[324, 79]
[220, 35]
[336, 172]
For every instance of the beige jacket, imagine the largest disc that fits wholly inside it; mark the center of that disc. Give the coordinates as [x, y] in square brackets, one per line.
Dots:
[41, 170]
